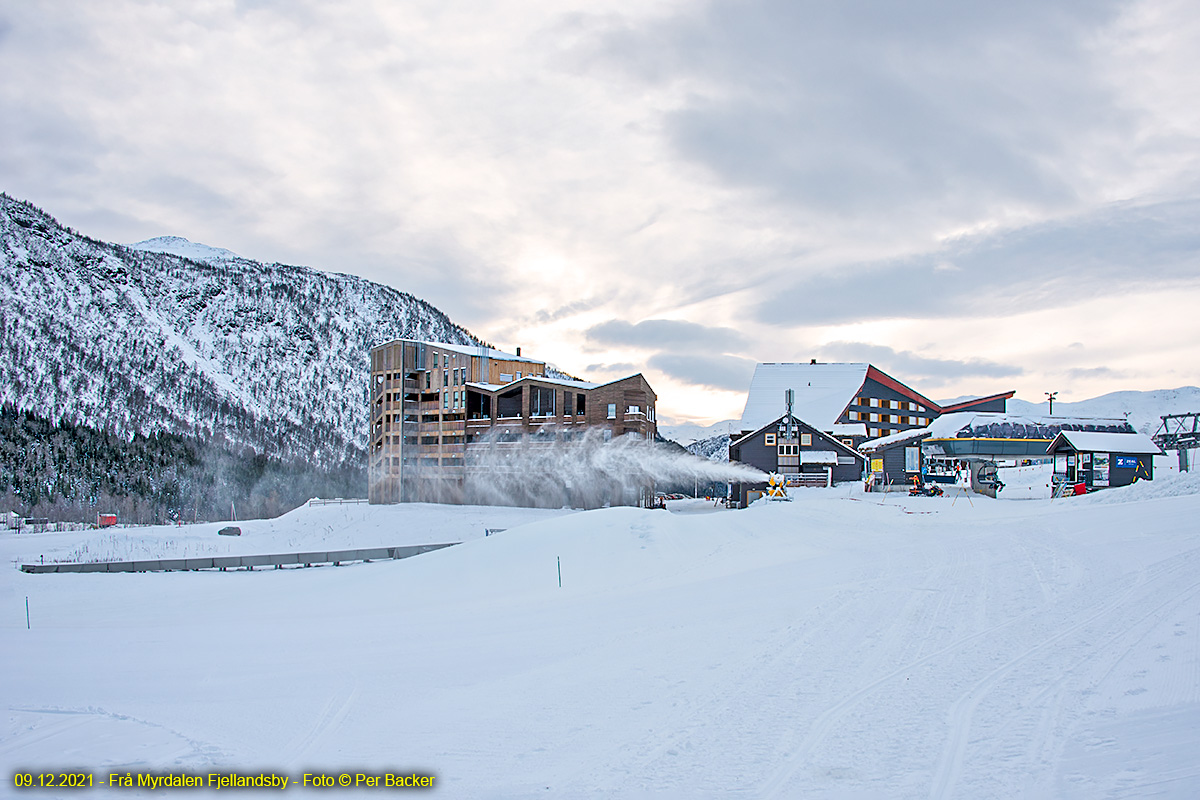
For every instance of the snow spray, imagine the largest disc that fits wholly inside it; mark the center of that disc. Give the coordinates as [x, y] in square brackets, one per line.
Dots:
[555, 469]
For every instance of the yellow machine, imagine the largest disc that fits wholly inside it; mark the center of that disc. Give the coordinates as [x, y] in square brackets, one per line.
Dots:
[777, 487]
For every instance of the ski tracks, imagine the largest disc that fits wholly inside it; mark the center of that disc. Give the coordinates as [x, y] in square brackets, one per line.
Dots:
[1099, 623]
[330, 718]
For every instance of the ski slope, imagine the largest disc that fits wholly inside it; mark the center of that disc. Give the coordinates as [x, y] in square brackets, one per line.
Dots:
[841, 645]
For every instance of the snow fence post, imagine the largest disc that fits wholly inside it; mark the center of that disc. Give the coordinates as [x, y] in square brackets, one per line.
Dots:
[556, 558]
[26, 612]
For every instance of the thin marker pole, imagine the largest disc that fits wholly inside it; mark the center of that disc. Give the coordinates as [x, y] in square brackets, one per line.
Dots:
[556, 558]
[26, 612]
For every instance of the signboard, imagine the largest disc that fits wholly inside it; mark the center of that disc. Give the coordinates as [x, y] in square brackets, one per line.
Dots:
[876, 465]
[1060, 463]
[1071, 460]
[1126, 462]
[1100, 469]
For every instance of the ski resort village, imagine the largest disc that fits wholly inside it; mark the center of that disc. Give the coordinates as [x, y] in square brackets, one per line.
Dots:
[684, 400]
[860, 592]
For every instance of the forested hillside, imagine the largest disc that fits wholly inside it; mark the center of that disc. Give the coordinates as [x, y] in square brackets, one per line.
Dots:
[65, 471]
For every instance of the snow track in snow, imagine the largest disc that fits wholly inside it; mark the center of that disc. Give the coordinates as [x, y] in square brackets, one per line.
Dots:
[824, 648]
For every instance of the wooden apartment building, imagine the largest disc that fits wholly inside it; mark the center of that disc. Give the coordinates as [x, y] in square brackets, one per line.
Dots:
[432, 404]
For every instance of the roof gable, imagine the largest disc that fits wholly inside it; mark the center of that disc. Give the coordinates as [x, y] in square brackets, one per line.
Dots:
[1104, 442]
[824, 437]
[822, 392]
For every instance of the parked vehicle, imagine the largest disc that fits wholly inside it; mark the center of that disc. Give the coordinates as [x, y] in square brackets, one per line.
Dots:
[922, 489]
[232, 530]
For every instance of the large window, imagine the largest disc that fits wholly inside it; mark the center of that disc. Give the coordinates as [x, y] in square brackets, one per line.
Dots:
[509, 403]
[541, 401]
[612, 410]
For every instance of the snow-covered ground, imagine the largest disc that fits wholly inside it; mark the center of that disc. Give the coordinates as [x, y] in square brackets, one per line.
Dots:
[841, 645]
[317, 527]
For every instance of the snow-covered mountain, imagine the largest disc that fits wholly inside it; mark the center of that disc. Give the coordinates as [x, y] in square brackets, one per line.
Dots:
[169, 335]
[686, 433]
[179, 246]
[1144, 409]
[714, 448]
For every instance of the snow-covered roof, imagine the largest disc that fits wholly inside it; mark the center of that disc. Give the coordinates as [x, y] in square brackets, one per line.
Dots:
[818, 457]
[822, 392]
[491, 387]
[947, 426]
[849, 429]
[1103, 442]
[480, 350]
[895, 438]
[562, 382]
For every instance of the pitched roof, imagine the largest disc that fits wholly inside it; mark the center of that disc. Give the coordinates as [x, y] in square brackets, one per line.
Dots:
[895, 438]
[822, 392]
[964, 405]
[827, 437]
[493, 387]
[1103, 442]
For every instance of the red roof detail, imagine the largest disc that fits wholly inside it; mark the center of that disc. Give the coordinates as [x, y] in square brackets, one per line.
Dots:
[895, 385]
[978, 401]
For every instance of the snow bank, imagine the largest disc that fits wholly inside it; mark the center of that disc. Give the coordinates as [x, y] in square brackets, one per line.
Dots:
[841, 645]
[1173, 484]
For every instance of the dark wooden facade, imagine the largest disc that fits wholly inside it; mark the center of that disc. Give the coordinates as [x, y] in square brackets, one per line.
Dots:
[886, 406]
[893, 464]
[1100, 469]
[430, 403]
[770, 450]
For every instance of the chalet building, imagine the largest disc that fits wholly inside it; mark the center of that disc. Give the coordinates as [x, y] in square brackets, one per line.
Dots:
[853, 402]
[893, 461]
[1011, 438]
[803, 454]
[1101, 459]
[981, 441]
[433, 404]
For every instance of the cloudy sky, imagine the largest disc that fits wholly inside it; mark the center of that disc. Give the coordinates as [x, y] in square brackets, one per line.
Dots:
[975, 197]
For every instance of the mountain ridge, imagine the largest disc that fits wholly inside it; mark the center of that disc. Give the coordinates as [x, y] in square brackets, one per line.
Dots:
[135, 341]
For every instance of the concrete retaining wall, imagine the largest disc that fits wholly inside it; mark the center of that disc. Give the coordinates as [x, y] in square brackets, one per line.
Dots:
[277, 560]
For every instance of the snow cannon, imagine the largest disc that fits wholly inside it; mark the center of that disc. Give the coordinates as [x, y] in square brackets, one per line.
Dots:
[777, 487]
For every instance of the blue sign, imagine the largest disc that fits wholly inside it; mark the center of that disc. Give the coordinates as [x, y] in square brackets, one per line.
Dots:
[1126, 462]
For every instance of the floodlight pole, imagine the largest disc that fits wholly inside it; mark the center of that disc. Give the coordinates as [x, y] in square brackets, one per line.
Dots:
[1050, 396]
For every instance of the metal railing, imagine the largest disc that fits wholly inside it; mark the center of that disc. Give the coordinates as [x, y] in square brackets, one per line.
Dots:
[223, 563]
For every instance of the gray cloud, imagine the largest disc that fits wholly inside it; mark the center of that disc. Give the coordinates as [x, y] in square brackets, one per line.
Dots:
[666, 333]
[860, 107]
[714, 371]
[1039, 266]
[620, 367]
[906, 365]
[545, 316]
